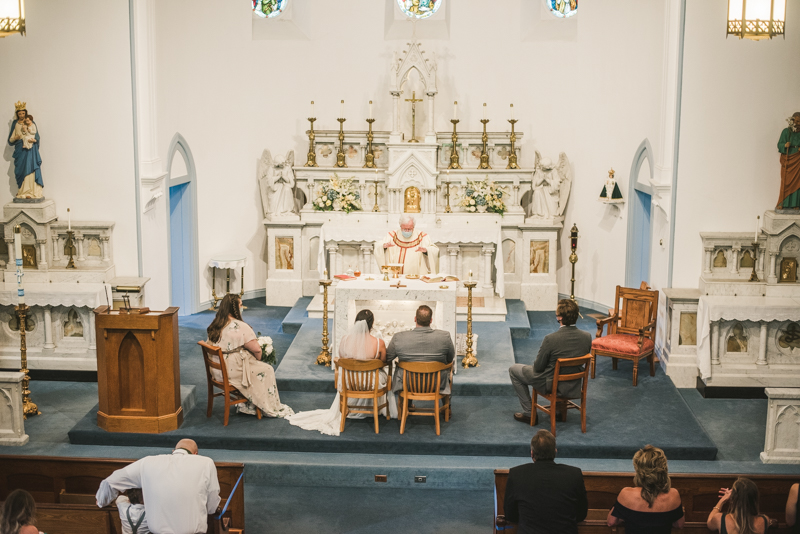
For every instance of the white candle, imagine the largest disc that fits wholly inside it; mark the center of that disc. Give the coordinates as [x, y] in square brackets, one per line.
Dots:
[484, 111]
[312, 110]
[758, 218]
[512, 112]
[17, 244]
[341, 110]
[325, 274]
[69, 220]
[370, 109]
[455, 110]
[470, 276]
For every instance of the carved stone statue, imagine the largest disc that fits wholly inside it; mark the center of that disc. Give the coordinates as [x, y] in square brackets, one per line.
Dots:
[551, 187]
[276, 181]
[24, 137]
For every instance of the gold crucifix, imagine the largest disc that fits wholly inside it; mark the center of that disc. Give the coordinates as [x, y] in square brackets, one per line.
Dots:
[413, 101]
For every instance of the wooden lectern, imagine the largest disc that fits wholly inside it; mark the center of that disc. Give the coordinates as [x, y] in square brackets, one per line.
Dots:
[138, 370]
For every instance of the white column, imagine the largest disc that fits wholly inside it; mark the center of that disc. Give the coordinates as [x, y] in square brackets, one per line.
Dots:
[735, 259]
[362, 190]
[11, 259]
[56, 251]
[91, 336]
[104, 247]
[431, 135]
[309, 201]
[144, 28]
[773, 257]
[42, 263]
[339, 264]
[366, 251]
[762, 345]
[48, 328]
[332, 253]
[515, 205]
[760, 259]
[487, 266]
[715, 343]
[707, 262]
[455, 265]
[79, 240]
[395, 114]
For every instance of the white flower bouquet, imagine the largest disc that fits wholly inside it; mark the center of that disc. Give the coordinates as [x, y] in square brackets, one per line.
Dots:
[340, 194]
[267, 350]
[482, 196]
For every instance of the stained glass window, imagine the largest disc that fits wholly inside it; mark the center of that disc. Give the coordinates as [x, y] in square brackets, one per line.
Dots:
[269, 8]
[562, 8]
[420, 9]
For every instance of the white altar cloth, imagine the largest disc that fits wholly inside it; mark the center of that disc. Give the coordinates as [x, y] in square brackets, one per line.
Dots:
[377, 232]
[63, 294]
[717, 308]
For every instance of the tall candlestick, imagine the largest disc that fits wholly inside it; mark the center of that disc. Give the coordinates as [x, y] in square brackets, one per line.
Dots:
[69, 220]
[758, 219]
[455, 109]
[484, 111]
[370, 109]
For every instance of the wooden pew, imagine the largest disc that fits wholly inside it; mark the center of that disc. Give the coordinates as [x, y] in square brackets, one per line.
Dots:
[60, 484]
[699, 494]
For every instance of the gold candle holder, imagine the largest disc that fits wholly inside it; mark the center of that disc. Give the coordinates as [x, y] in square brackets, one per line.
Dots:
[469, 356]
[369, 162]
[69, 246]
[311, 160]
[512, 158]
[753, 275]
[376, 208]
[340, 162]
[28, 406]
[447, 194]
[454, 161]
[573, 258]
[324, 357]
[484, 153]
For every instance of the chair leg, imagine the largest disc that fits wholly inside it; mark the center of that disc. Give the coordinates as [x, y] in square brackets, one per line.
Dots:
[594, 362]
[583, 416]
[635, 371]
[563, 414]
[210, 400]
[343, 410]
[227, 409]
[534, 400]
[652, 360]
[436, 416]
[447, 408]
[375, 413]
[614, 362]
[405, 415]
[553, 408]
[258, 413]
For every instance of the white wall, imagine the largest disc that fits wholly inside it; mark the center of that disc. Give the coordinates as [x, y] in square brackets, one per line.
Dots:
[736, 97]
[73, 69]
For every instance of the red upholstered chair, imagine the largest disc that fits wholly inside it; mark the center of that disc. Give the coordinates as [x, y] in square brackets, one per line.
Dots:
[631, 330]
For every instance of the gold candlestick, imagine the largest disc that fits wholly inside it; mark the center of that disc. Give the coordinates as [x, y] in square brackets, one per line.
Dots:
[512, 158]
[28, 406]
[311, 160]
[376, 208]
[324, 357]
[69, 246]
[469, 356]
[573, 258]
[340, 162]
[370, 157]
[454, 162]
[484, 154]
[447, 194]
[753, 275]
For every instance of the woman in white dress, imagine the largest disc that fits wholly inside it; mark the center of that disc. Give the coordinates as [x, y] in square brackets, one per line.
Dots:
[358, 344]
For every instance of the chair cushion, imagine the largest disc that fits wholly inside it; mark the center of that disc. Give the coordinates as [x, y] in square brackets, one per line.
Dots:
[622, 344]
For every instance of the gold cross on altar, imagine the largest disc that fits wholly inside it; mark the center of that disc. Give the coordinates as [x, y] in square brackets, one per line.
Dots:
[413, 101]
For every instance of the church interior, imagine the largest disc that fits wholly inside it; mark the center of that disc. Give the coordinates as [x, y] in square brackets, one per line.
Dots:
[484, 159]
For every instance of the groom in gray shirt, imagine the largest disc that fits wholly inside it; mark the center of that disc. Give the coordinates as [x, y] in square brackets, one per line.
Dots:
[566, 342]
[422, 344]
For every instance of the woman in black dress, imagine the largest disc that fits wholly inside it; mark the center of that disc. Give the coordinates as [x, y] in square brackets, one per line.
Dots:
[742, 516]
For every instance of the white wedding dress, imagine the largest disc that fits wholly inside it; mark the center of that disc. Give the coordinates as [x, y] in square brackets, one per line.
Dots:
[328, 422]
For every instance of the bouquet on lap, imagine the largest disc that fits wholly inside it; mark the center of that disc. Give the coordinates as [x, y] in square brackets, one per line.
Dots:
[267, 350]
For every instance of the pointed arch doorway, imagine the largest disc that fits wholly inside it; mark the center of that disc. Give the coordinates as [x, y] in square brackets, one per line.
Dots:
[640, 224]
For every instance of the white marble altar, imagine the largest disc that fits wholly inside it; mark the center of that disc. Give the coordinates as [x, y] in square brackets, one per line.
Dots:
[782, 439]
[12, 422]
[678, 352]
[393, 304]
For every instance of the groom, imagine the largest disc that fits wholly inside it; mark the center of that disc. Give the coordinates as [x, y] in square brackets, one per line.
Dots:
[422, 344]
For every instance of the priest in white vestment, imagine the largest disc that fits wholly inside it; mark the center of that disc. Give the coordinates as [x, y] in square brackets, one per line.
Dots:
[414, 249]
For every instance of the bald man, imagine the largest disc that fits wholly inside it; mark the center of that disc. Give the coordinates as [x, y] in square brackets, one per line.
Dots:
[180, 489]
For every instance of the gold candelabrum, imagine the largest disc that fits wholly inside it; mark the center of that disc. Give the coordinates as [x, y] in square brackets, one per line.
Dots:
[469, 356]
[370, 157]
[447, 195]
[573, 258]
[312, 154]
[484, 153]
[753, 275]
[512, 158]
[324, 357]
[69, 246]
[28, 406]
[340, 162]
[454, 162]
[376, 208]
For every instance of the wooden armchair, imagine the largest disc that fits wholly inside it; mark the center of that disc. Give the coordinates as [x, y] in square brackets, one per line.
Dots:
[212, 356]
[360, 379]
[562, 404]
[422, 382]
[631, 330]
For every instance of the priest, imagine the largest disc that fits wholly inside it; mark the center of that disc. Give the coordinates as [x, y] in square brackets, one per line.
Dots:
[414, 249]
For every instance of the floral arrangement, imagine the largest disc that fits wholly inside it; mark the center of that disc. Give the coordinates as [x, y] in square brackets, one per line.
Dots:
[483, 196]
[267, 350]
[340, 194]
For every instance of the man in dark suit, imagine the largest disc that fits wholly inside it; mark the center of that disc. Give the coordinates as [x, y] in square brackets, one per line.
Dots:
[545, 497]
[422, 344]
[566, 342]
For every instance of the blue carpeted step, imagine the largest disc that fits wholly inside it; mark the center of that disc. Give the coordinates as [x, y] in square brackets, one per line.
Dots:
[296, 317]
[517, 319]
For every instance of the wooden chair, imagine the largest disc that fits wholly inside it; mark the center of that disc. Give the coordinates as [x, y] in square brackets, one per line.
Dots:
[562, 404]
[422, 382]
[360, 379]
[212, 356]
[631, 330]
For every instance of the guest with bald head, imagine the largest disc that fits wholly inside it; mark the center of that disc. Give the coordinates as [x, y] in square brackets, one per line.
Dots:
[180, 489]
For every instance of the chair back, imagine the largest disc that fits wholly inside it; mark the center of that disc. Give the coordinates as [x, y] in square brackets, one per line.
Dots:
[559, 378]
[209, 352]
[359, 375]
[636, 308]
[423, 377]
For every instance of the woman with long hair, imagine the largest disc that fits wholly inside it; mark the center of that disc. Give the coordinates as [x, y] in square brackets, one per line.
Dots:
[652, 506]
[246, 372]
[742, 515]
[19, 514]
[359, 344]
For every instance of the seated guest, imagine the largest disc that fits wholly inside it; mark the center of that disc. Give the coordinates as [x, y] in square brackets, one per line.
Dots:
[254, 379]
[181, 489]
[791, 509]
[567, 342]
[545, 497]
[19, 514]
[742, 516]
[421, 344]
[130, 506]
[652, 506]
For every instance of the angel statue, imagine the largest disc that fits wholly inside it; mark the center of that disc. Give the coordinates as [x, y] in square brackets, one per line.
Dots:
[276, 181]
[551, 186]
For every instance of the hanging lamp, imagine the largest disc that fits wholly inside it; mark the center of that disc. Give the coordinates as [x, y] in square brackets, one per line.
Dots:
[756, 19]
[12, 17]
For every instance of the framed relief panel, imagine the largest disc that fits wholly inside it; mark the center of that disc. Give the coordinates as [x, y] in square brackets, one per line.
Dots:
[540, 257]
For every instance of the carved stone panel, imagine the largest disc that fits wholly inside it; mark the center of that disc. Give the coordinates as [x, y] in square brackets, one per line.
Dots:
[540, 257]
[688, 329]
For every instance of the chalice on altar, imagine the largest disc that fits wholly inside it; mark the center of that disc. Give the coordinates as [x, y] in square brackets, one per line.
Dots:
[395, 268]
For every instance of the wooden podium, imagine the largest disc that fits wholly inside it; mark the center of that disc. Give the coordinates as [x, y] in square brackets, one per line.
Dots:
[138, 370]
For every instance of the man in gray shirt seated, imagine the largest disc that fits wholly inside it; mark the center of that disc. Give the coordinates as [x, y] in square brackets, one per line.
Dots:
[566, 342]
[422, 344]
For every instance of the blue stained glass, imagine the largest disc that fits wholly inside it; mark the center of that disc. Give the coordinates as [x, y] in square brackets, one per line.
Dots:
[420, 9]
[563, 8]
[269, 8]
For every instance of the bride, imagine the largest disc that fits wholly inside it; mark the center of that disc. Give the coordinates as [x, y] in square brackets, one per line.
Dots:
[358, 344]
